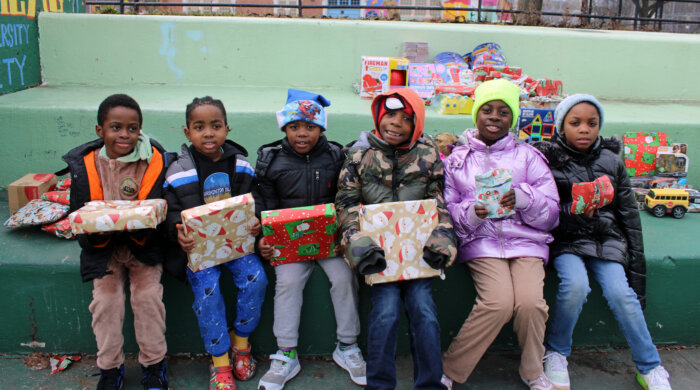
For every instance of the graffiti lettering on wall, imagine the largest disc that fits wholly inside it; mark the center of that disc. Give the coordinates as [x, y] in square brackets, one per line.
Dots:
[19, 46]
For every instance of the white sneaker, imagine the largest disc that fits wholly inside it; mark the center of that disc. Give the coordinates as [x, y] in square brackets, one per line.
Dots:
[445, 380]
[351, 361]
[282, 370]
[656, 379]
[539, 383]
[555, 367]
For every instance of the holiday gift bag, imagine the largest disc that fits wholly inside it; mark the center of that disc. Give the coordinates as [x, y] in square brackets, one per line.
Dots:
[401, 229]
[591, 195]
[640, 151]
[490, 188]
[220, 231]
[300, 233]
[117, 215]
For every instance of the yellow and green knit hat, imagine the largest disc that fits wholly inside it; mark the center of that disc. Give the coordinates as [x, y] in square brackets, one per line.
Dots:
[499, 89]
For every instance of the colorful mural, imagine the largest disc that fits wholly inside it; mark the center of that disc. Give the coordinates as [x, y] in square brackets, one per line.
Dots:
[19, 45]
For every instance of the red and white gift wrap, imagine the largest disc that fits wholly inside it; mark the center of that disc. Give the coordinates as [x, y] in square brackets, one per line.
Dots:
[221, 231]
[100, 216]
[401, 229]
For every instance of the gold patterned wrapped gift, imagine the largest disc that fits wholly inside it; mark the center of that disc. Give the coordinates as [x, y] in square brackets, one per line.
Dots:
[220, 230]
[401, 229]
[117, 215]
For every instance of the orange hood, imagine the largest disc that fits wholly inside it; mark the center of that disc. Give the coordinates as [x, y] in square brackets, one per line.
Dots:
[411, 98]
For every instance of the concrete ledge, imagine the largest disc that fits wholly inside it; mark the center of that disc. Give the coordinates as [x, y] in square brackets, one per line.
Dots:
[46, 304]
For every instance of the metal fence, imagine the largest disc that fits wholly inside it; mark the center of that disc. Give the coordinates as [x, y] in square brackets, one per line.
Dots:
[586, 16]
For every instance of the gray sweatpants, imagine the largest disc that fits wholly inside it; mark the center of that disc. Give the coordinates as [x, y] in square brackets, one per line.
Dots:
[289, 288]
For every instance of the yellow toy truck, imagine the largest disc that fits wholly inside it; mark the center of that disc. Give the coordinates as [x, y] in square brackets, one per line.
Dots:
[661, 201]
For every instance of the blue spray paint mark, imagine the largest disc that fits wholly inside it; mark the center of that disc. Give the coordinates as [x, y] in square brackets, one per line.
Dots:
[194, 35]
[168, 49]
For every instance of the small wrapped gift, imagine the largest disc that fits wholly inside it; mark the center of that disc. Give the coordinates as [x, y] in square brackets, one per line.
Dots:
[490, 188]
[401, 229]
[100, 216]
[591, 195]
[221, 231]
[300, 233]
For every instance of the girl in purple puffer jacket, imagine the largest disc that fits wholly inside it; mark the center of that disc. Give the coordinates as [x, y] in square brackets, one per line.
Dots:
[503, 243]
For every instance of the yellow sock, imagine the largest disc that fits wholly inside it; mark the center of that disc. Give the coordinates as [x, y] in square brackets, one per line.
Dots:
[220, 361]
[240, 342]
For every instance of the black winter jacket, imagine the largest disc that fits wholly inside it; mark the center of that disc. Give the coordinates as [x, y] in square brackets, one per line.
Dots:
[615, 231]
[289, 179]
[146, 245]
[182, 191]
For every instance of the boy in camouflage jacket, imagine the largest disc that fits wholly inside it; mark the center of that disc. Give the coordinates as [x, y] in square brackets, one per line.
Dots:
[393, 163]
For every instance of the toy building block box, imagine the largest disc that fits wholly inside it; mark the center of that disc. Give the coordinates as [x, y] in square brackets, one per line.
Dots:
[300, 233]
[28, 187]
[422, 78]
[401, 229]
[640, 151]
[536, 124]
[221, 231]
[100, 216]
[379, 74]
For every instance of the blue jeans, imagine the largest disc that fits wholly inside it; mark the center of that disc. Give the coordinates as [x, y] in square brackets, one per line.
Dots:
[573, 290]
[249, 276]
[383, 332]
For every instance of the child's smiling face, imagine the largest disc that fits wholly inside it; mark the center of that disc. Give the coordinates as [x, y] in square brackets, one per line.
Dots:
[207, 130]
[493, 120]
[396, 127]
[581, 126]
[302, 136]
[120, 131]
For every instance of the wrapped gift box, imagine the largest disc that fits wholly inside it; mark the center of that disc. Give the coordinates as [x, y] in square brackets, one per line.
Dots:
[300, 233]
[220, 230]
[401, 229]
[491, 72]
[28, 187]
[591, 195]
[490, 188]
[546, 87]
[640, 151]
[117, 215]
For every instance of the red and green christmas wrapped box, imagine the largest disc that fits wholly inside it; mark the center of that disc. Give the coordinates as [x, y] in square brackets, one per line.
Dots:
[300, 233]
[640, 151]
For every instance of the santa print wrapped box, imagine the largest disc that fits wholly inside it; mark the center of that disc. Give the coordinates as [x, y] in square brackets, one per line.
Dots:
[221, 231]
[300, 233]
[117, 215]
[640, 151]
[401, 229]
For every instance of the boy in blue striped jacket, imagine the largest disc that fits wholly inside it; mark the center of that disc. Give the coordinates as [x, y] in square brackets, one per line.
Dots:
[211, 169]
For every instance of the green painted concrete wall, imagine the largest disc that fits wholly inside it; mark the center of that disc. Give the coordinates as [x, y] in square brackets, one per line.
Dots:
[326, 53]
[19, 45]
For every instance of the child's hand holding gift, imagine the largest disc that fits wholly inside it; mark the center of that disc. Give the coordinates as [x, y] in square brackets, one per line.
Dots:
[185, 242]
[266, 250]
[255, 227]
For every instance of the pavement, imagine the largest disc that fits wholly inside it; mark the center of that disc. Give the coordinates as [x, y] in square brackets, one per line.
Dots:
[589, 368]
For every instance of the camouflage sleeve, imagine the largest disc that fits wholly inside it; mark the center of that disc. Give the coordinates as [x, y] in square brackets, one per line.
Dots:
[443, 239]
[347, 203]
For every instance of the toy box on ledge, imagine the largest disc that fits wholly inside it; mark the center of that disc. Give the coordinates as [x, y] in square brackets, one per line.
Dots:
[300, 233]
[28, 187]
[220, 230]
[423, 78]
[536, 124]
[401, 229]
[100, 216]
[640, 151]
[381, 73]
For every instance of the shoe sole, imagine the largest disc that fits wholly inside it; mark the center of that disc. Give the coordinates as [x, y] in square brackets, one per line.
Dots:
[294, 373]
[340, 364]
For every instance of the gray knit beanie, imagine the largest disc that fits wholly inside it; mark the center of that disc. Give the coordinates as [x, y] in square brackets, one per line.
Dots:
[566, 105]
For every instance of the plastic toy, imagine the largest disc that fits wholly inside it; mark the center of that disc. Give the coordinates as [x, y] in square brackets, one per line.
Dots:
[660, 201]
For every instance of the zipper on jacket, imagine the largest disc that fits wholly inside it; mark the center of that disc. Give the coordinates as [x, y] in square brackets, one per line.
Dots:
[486, 159]
[394, 182]
[500, 239]
[317, 185]
[308, 179]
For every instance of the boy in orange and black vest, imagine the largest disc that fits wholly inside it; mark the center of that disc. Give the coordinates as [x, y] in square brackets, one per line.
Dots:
[124, 164]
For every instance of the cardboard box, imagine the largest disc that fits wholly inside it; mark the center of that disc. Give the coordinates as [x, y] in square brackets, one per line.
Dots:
[220, 230]
[301, 233]
[376, 74]
[100, 216]
[536, 124]
[401, 229]
[28, 187]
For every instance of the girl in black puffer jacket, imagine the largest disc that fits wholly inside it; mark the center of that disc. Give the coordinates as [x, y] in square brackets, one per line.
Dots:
[607, 242]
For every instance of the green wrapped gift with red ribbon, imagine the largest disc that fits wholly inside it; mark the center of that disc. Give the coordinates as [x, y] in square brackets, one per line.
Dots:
[300, 233]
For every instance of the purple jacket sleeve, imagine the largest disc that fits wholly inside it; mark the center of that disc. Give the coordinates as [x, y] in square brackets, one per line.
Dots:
[542, 210]
[458, 207]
